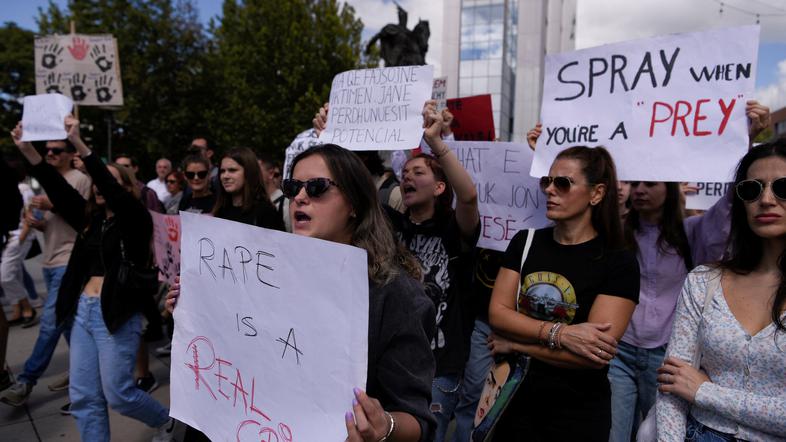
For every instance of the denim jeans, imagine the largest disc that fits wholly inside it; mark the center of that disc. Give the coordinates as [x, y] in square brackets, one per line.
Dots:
[633, 379]
[444, 397]
[477, 368]
[48, 333]
[102, 373]
[695, 431]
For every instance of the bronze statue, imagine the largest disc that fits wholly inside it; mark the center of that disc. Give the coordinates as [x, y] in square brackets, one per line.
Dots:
[400, 46]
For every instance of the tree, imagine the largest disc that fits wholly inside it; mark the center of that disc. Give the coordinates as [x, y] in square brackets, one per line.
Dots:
[17, 78]
[162, 54]
[277, 61]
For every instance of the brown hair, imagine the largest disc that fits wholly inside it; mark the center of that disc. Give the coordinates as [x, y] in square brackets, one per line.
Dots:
[128, 178]
[253, 191]
[370, 228]
[598, 168]
[444, 202]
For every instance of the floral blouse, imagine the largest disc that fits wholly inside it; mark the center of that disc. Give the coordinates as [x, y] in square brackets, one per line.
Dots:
[747, 393]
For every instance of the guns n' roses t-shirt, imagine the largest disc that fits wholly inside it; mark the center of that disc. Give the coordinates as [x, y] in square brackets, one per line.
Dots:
[560, 283]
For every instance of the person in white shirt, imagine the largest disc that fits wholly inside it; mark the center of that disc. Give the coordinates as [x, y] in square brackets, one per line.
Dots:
[158, 184]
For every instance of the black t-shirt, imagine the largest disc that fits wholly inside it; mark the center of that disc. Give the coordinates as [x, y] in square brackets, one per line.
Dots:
[446, 260]
[560, 283]
[487, 264]
[193, 204]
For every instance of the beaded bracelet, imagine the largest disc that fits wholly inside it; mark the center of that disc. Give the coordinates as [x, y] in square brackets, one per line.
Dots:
[559, 338]
[552, 334]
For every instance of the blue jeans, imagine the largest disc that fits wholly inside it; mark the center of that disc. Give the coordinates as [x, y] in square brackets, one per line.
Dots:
[29, 284]
[48, 333]
[633, 379]
[477, 368]
[102, 372]
[444, 397]
[695, 431]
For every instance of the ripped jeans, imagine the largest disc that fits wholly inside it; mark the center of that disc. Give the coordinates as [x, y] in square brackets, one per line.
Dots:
[444, 397]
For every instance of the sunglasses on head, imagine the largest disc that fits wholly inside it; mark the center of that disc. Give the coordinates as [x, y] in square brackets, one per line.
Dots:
[55, 150]
[561, 183]
[751, 190]
[315, 187]
[202, 174]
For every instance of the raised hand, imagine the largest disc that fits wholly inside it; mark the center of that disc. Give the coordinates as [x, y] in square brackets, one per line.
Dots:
[320, 119]
[79, 48]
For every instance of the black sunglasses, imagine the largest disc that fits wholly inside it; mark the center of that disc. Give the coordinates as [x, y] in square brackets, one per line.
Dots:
[561, 183]
[315, 187]
[171, 181]
[202, 174]
[751, 190]
[55, 150]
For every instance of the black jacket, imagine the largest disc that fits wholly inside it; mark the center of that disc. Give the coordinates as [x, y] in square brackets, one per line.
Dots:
[132, 224]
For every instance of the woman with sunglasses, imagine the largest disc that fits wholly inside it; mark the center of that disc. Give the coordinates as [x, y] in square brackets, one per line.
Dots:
[568, 304]
[443, 240]
[739, 391]
[105, 310]
[242, 195]
[197, 173]
[175, 183]
[332, 197]
[668, 247]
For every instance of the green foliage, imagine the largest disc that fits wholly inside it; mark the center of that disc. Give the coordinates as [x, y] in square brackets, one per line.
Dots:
[254, 78]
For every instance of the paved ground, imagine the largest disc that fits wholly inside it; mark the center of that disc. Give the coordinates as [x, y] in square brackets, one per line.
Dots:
[40, 418]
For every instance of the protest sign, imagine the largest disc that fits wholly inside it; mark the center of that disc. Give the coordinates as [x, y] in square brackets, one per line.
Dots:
[509, 199]
[378, 109]
[472, 118]
[43, 117]
[669, 108]
[166, 245]
[439, 92]
[706, 196]
[83, 67]
[271, 333]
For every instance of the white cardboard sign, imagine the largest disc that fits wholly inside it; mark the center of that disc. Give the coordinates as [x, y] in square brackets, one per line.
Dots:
[669, 108]
[271, 333]
[378, 109]
[439, 92]
[509, 199]
[83, 67]
[43, 117]
[707, 195]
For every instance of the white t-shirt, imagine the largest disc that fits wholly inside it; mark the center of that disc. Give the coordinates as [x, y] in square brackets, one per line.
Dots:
[159, 187]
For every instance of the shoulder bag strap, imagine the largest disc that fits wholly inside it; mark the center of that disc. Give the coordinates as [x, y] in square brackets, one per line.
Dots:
[712, 286]
[524, 254]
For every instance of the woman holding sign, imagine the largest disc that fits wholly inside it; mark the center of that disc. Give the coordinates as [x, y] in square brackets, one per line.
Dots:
[731, 320]
[668, 247]
[567, 305]
[332, 197]
[99, 291]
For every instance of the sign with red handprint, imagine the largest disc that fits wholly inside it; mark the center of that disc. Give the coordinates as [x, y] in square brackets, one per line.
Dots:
[166, 245]
[88, 71]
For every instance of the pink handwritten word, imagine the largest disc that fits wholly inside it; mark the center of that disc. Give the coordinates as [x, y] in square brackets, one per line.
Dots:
[206, 362]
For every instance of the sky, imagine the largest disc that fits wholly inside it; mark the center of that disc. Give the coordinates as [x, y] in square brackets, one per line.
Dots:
[598, 22]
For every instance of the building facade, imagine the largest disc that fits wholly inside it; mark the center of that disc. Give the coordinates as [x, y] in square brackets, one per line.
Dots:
[497, 47]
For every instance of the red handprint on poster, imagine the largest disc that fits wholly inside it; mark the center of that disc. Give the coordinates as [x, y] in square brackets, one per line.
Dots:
[79, 48]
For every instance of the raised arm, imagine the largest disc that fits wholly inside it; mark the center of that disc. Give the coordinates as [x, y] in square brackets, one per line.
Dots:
[467, 214]
[66, 201]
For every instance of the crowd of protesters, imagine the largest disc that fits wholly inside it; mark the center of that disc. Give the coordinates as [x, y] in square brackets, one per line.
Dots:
[627, 306]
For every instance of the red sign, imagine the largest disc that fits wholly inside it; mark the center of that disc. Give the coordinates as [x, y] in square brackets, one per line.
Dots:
[472, 118]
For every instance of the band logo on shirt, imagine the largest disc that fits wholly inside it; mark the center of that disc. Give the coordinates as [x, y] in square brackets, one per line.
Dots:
[547, 296]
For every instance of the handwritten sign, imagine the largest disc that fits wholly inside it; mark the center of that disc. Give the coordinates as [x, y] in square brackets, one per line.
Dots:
[378, 109]
[509, 199]
[271, 333]
[707, 195]
[83, 67]
[669, 108]
[472, 118]
[43, 117]
[166, 242]
[439, 92]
